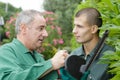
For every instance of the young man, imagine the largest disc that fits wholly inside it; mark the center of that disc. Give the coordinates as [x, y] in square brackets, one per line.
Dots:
[86, 31]
[19, 59]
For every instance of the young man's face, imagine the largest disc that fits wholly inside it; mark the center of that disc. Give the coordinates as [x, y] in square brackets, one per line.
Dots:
[36, 33]
[82, 30]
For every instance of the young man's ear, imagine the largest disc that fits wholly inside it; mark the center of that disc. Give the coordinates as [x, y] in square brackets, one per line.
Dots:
[94, 29]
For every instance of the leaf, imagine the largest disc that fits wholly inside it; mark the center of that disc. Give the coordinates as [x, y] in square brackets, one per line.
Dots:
[115, 70]
[116, 64]
[116, 77]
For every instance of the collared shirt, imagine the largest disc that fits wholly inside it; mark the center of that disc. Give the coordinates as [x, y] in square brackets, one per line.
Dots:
[97, 71]
[17, 63]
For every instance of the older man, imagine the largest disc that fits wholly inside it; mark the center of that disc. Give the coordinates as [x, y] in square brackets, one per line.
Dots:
[19, 59]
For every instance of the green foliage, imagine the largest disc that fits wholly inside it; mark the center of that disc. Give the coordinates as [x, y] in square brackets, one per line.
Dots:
[74, 44]
[64, 10]
[110, 10]
[8, 13]
[54, 40]
[47, 50]
[88, 3]
[11, 10]
[10, 28]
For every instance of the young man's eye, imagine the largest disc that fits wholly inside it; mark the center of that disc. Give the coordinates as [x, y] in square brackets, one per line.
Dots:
[79, 26]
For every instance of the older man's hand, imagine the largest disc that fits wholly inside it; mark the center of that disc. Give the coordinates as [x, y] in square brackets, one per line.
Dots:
[59, 59]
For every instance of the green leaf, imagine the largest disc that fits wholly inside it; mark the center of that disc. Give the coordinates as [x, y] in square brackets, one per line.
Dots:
[116, 77]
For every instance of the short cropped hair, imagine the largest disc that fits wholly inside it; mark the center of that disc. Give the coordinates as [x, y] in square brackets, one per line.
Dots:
[92, 14]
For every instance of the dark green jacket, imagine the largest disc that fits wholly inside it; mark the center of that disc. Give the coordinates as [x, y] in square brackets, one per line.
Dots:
[16, 63]
[97, 71]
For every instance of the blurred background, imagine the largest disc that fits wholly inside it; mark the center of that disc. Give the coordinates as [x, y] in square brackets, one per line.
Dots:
[59, 15]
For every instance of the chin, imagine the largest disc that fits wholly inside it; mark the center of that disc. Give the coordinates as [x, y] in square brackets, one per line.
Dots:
[39, 46]
[78, 41]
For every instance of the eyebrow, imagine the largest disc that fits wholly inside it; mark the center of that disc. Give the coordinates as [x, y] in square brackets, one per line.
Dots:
[42, 26]
[78, 25]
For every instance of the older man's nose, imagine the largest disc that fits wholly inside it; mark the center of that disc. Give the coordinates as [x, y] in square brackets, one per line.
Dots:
[45, 33]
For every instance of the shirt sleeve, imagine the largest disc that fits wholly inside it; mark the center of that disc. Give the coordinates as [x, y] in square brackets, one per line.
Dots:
[10, 70]
[65, 75]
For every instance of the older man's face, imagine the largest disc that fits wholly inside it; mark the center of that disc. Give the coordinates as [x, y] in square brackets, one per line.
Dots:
[36, 32]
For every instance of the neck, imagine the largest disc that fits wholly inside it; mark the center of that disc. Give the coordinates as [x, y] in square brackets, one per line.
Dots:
[23, 41]
[89, 46]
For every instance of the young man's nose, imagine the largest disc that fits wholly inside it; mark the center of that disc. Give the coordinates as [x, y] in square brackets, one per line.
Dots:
[74, 30]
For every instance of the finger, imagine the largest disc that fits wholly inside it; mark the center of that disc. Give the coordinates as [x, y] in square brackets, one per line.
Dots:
[66, 53]
[62, 52]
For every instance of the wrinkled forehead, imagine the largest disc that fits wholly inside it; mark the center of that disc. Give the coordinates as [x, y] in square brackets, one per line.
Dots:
[39, 21]
[41, 17]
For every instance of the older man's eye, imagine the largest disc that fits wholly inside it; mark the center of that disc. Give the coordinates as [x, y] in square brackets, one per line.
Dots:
[41, 28]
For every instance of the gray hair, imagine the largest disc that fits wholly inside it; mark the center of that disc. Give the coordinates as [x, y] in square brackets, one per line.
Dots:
[26, 17]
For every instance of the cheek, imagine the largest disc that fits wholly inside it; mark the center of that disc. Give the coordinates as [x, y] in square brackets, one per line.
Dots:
[33, 36]
[86, 33]
[36, 34]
